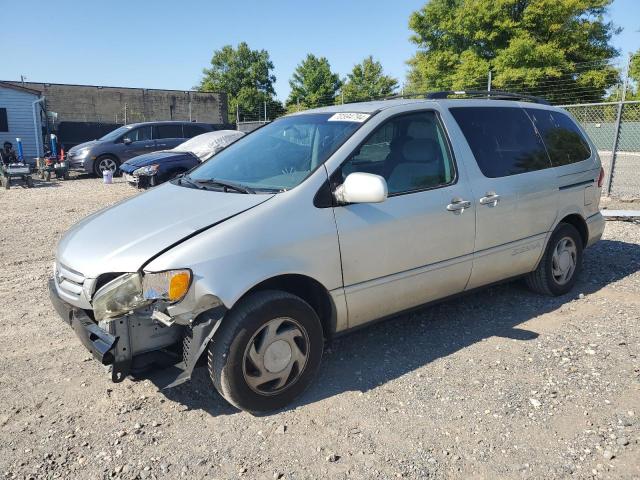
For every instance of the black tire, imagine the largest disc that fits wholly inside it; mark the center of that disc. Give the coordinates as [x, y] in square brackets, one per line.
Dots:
[226, 352]
[29, 182]
[542, 279]
[106, 159]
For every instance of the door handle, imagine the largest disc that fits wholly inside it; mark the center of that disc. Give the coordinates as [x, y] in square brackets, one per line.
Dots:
[491, 199]
[458, 205]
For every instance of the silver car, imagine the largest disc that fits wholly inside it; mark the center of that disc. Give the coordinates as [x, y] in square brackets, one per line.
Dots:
[321, 222]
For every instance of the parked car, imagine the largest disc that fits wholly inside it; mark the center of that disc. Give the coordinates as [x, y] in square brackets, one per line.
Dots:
[128, 141]
[321, 222]
[152, 169]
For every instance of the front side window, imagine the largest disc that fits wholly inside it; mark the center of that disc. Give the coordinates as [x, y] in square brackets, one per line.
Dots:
[139, 134]
[562, 137]
[502, 139]
[167, 131]
[409, 151]
[281, 154]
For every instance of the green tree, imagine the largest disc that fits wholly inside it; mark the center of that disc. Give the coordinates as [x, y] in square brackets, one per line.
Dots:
[633, 92]
[246, 76]
[554, 48]
[366, 81]
[313, 84]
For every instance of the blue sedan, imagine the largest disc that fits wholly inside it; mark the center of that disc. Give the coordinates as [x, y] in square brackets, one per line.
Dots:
[154, 168]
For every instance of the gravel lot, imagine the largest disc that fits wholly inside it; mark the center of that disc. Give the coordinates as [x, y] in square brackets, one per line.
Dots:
[499, 384]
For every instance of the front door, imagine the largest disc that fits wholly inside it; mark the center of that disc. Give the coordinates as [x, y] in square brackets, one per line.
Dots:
[417, 245]
[141, 142]
[514, 188]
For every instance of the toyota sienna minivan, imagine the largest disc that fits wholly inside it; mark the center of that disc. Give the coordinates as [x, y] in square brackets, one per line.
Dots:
[321, 222]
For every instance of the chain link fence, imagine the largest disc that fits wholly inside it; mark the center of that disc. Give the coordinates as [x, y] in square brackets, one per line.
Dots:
[614, 127]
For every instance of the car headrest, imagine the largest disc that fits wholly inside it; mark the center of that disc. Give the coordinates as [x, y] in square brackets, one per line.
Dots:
[421, 130]
[421, 151]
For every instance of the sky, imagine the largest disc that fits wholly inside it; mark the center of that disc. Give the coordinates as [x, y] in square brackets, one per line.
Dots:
[166, 44]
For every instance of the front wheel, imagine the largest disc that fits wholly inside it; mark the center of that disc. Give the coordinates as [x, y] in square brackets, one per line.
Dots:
[561, 263]
[106, 162]
[267, 351]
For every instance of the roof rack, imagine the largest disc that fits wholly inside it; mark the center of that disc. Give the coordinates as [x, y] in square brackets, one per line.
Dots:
[490, 94]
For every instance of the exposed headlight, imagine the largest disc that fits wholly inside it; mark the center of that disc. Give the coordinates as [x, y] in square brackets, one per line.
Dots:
[146, 171]
[118, 297]
[83, 152]
[170, 285]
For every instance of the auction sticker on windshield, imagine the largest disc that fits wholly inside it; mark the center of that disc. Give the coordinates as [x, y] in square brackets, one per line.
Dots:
[349, 117]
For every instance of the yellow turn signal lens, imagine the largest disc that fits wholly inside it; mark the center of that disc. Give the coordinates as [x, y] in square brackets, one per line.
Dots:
[178, 285]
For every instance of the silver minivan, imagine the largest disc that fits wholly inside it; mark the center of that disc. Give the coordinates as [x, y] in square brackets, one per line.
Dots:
[321, 222]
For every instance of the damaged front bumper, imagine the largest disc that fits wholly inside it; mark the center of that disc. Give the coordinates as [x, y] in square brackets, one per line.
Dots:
[137, 346]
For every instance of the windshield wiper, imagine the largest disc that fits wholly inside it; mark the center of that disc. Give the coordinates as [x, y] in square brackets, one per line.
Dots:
[225, 185]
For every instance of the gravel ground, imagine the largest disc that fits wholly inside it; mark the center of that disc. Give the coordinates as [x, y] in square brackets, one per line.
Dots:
[498, 384]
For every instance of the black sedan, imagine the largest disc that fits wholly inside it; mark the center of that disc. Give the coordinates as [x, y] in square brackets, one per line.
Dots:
[154, 168]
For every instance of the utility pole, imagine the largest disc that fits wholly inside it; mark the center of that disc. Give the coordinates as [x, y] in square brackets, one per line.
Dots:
[237, 114]
[125, 113]
[342, 95]
[22, 79]
[489, 82]
[265, 111]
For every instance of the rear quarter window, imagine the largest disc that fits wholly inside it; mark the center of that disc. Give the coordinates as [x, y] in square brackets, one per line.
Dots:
[562, 137]
[502, 139]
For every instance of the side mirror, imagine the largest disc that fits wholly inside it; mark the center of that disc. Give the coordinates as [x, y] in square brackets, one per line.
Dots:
[360, 187]
[126, 141]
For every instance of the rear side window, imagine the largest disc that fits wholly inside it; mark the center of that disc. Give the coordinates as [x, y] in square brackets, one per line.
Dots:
[191, 131]
[562, 137]
[502, 139]
[167, 131]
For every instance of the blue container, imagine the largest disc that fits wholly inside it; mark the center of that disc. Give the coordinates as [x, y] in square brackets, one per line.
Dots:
[20, 150]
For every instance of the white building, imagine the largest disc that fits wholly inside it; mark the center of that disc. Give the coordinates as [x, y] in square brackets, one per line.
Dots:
[20, 117]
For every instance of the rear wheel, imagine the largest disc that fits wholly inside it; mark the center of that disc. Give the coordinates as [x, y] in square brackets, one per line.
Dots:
[267, 351]
[105, 162]
[561, 263]
[29, 182]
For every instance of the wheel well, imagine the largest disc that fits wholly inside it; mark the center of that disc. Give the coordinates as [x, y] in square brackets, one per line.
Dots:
[578, 222]
[311, 291]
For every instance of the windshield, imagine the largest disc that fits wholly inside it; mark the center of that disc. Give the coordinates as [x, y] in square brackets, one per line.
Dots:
[113, 135]
[205, 145]
[282, 154]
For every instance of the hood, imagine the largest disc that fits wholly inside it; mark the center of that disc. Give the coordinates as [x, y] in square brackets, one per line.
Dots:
[153, 157]
[125, 236]
[91, 143]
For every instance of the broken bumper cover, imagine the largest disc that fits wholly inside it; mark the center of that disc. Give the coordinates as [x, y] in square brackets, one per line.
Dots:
[129, 349]
[102, 345]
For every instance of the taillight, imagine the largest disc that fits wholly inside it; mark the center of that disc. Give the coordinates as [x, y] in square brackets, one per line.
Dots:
[601, 177]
